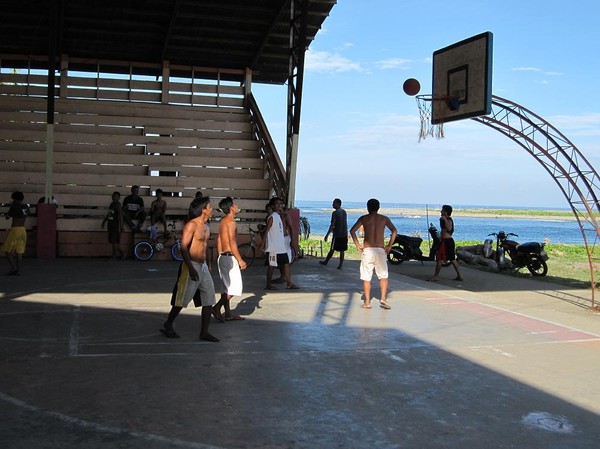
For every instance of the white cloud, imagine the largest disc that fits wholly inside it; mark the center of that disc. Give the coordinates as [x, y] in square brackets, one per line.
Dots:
[393, 63]
[526, 69]
[326, 62]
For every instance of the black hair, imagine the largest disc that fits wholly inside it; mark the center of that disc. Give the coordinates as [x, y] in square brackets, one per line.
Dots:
[338, 201]
[372, 205]
[275, 198]
[17, 196]
[448, 209]
[225, 205]
[197, 206]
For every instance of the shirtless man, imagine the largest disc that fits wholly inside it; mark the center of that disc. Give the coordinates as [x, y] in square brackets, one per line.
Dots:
[194, 280]
[230, 261]
[158, 211]
[374, 252]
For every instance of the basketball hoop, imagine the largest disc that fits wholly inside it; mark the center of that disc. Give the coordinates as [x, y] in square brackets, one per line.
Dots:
[426, 105]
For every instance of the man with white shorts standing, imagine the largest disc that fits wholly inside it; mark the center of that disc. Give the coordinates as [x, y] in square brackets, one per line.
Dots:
[373, 251]
[230, 261]
[194, 281]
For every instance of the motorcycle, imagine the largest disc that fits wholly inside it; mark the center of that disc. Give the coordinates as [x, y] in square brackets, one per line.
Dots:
[409, 248]
[531, 254]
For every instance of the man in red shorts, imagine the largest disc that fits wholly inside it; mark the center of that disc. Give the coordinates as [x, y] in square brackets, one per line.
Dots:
[447, 247]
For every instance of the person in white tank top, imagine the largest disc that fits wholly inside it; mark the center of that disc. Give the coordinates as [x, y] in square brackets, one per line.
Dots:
[275, 247]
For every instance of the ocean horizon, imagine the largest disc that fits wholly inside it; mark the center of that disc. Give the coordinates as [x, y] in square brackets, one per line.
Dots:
[318, 214]
[434, 206]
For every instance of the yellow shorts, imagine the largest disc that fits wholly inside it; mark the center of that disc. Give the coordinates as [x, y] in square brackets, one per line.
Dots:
[16, 240]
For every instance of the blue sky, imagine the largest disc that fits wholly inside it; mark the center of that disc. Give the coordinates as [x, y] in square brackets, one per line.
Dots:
[359, 131]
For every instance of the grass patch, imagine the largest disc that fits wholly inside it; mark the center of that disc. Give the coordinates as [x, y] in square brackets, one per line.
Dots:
[518, 213]
[567, 264]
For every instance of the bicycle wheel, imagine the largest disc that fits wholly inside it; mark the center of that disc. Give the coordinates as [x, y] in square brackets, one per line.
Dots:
[143, 250]
[248, 253]
[176, 251]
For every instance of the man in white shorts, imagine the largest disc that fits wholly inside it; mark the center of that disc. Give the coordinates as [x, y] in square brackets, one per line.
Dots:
[373, 250]
[230, 261]
[194, 281]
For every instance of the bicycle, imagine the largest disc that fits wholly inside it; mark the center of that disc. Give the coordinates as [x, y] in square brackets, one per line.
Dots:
[145, 249]
[248, 250]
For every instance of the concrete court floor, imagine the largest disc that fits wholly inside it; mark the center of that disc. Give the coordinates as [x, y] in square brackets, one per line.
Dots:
[492, 362]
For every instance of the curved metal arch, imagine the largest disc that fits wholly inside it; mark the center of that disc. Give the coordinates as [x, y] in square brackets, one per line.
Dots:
[575, 176]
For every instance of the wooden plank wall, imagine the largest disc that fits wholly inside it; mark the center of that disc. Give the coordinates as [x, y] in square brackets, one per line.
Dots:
[111, 134]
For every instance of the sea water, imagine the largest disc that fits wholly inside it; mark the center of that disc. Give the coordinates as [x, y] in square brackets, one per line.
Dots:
[318, 214]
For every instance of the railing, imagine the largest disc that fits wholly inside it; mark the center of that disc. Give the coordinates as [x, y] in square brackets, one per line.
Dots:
[273, 167]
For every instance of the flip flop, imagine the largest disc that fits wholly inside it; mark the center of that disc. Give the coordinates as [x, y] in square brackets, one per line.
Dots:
[270, 288]
[234, 318]
[218, 316]
[293, 287]
[169, 333]
[385, 305]
[365, 306]
[210, 338]
[432, 280]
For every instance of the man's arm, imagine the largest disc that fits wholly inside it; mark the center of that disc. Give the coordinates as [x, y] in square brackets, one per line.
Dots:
[233, 246]
[353, 230]
[266, 232]
[186, 242]
[331, 226]
[392, 228]
[293, 235]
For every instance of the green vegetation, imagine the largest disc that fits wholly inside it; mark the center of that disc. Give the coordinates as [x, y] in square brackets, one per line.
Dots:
[567, 265]
[516, 212]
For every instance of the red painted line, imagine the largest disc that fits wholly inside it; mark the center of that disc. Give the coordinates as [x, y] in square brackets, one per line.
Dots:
[532, 326]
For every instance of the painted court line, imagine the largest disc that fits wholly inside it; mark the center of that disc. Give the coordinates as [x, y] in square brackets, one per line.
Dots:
[516, 319]
[101, 428]
[74, 332]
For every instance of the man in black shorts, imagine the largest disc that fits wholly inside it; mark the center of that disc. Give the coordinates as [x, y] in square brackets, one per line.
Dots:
[339, 230]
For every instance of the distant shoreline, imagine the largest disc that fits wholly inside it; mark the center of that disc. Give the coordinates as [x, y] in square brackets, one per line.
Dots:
[490, 213]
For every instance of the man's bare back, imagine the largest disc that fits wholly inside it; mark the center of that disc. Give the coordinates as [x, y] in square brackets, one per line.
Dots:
[374, 226]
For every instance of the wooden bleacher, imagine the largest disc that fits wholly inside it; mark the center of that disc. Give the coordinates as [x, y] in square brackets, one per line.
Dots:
[110, 134]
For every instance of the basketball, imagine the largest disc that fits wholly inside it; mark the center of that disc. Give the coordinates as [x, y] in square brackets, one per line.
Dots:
[411, 87]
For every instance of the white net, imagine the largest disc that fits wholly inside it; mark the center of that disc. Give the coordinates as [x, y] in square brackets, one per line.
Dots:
[425, 103]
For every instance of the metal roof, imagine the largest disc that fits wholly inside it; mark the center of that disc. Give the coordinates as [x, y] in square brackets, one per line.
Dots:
[228, 34]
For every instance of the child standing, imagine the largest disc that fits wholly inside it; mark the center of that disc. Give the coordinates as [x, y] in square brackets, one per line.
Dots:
[16, 240]
[114, 217]
[158, 210]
